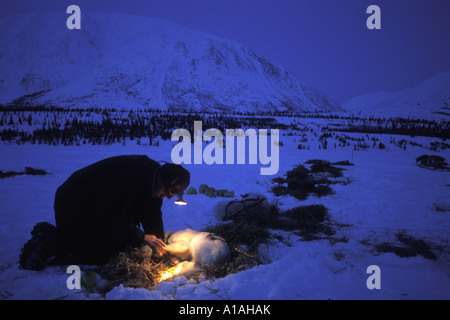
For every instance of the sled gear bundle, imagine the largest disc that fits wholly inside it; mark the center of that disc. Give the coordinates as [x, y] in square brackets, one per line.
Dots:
[247, 204]
[213, 193]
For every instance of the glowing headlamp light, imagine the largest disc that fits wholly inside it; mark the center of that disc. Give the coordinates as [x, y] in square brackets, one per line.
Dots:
[180, 200]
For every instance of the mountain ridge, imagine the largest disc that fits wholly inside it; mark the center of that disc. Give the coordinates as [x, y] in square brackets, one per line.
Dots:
[117, 60]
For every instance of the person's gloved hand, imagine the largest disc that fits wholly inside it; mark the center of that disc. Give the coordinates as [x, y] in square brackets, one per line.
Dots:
[156, 244]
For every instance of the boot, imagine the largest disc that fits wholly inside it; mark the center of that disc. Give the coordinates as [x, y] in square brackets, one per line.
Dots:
[40, 249]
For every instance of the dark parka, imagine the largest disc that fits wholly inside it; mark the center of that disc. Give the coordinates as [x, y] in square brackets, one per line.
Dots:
[99, 209]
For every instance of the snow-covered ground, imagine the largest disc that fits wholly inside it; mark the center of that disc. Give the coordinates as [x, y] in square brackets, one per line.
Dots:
[388, 193]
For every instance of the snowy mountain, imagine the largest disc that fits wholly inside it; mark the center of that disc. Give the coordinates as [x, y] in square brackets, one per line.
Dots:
[429, 99]
[131, 61]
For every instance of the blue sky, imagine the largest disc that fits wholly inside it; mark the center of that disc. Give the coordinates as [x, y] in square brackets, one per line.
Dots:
[324, 42]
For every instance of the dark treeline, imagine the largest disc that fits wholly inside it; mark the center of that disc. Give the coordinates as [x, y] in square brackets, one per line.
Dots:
[56, 126]
[62, 126]
[46, 108]
[400, 127]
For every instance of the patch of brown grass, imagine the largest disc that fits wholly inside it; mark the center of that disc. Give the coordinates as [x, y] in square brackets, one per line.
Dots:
[137, 268]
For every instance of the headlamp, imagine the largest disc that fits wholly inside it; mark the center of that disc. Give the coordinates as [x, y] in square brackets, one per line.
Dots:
[180, 200]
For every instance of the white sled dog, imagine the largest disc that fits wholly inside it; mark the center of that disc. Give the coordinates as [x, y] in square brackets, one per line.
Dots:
[197, 249]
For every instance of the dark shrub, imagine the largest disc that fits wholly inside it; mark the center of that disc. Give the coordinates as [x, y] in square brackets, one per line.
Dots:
[323, 190]
[299, 172]
[35, 172]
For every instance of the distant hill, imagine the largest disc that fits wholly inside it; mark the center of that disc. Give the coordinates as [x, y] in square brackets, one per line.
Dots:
[429, 99]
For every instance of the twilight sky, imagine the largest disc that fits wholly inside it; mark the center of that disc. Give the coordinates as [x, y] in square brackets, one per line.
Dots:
[324, 42]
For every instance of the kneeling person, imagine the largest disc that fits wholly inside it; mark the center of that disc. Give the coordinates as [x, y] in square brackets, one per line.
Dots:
[98, 211]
